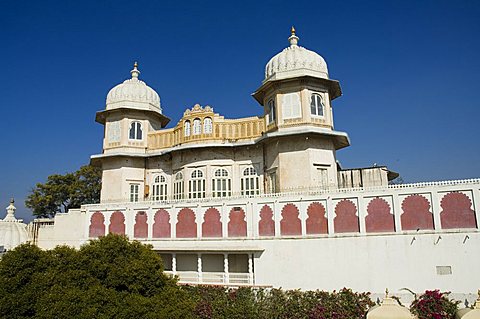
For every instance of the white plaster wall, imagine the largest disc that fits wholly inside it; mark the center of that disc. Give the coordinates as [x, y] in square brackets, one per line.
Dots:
[371, 263]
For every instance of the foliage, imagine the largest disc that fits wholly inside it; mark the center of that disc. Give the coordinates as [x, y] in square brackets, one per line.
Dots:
[219, 303]
[107, 278]
[62, 192]
[434, 304]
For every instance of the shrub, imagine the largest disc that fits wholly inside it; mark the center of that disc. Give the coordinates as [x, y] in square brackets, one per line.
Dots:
[434, 304]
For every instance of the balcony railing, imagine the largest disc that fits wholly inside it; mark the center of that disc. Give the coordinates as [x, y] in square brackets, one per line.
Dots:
[212, 278]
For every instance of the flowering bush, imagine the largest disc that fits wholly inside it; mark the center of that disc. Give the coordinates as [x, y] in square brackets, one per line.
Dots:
[434, 304]
[219, 302]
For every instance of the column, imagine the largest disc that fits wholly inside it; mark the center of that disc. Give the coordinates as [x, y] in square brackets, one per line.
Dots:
[225, 268]
[199, 267]
[397, 212]
[436, 210]
[476, 205]
[362, 213]
[330, 215]
[250, 269]
[174, 263]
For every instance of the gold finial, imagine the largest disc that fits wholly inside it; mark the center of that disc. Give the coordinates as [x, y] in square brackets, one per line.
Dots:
[135, 73]
[293, 30]
[386, 293]
[12, 200]
[478, 293]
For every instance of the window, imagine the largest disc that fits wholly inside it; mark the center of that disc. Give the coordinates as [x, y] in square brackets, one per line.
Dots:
[221, 183]
[272, 182]
[197, 127]
[249, 182]
[159, 188]
[291, 106]
[135, 131]
[321, 178]
[271, 111]
[207, 126]
[186, 127]
[134, 192]
[316, 105]
[196, 185]
[178, 186]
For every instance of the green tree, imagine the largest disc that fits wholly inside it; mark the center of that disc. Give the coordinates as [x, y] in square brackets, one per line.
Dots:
[107, 278]
[62, 192]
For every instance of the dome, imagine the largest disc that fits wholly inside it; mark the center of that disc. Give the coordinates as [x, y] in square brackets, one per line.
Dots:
[133, 93]
[295, 61]
[389, 309]
[13, 232]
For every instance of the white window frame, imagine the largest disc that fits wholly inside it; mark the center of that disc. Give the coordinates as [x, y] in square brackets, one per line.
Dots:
[291, 107]
[317, 105]
[221, 183]
[159, 188]
[135, 132]
[207, 125]
[187, 128]
[178, 186]
[196, 184]
[197, 126]
[249, 183]
[134, 191]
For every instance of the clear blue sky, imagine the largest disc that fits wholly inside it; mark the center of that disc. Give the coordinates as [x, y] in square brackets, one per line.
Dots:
[408, 69]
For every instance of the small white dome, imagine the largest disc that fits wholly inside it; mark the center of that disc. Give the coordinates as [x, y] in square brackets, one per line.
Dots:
[13, 232]
[133, 93]
[295, 61]
[389, 309]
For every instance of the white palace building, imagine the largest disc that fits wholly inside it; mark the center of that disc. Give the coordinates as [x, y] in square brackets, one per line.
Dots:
[262, 201]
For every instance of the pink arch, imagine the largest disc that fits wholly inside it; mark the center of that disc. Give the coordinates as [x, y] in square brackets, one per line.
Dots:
[457, 211]
[316, 222]
[237, 226]
[117, 223]
[379, 218]
[97, 225]
[140, 230]
[161, 224]
[416, 213]
[186, 225]
[290, 225]
[266, 225]
[346, 220]
[211, 226]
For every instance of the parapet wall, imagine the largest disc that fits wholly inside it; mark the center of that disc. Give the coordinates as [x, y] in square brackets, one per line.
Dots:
[422, 207]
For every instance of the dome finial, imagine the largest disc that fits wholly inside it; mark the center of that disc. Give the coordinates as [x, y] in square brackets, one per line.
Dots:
[10, 212]
[293, 38]
[135, 72]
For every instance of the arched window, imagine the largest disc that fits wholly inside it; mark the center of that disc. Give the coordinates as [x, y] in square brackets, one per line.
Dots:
[178, 186]
[186, 127]
[197, 127]
[317, 105]
[207, 126]
[249, 182]
[271, 111]
[159, 188]
[196, 185]
[135, 131]
[221, 183]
